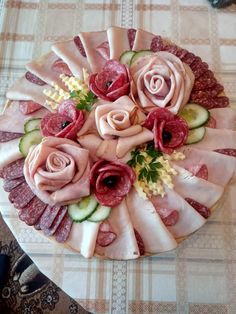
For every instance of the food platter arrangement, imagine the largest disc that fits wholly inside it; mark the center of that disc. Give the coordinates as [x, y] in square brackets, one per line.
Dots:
[117, 144]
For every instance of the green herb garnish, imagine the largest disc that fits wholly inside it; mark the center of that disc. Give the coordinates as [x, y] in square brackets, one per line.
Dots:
[86, 102]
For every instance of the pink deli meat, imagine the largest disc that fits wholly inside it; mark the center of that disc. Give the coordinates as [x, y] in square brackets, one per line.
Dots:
[61, 67]
[34, 79]
[32, 212]
[54, 225]
[64, 229]
[8, 136]
[201, 209]
[14, 170]
[21, 195]
[9, 185]
[28, 106]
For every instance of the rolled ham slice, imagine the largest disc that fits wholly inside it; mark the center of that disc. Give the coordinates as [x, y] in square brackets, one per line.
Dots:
[125, 245]
[42, 68]
[221, 168]
[9, 152]
[202, 191]
[83, 237]
[225, 118]
[118, 41]
[147, 222]
[69, 53]
[189, 219]
[91, 41]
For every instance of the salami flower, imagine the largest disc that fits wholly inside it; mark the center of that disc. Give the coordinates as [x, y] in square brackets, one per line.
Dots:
[65, 123]
[111, 181]
[170, 131]
[161, 80]
[57, 171]
[112, 82]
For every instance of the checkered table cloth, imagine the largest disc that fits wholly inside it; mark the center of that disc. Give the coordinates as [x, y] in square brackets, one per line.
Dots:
[199, 276]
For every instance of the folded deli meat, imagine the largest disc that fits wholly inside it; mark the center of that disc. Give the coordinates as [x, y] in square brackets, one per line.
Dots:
[117, 143]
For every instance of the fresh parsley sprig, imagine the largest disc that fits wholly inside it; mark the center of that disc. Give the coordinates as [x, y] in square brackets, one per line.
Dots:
[86, 102]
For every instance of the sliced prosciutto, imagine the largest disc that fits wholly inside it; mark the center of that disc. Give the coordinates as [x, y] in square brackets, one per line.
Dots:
[147, 222]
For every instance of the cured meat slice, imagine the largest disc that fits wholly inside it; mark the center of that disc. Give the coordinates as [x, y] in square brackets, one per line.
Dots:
[148, 224]
[8, 136]
[227, 151]
[90, 41]
[209, 92]
[189, 186]
[9, 185]
[213, 102]
[61, 67]
[42, 68]
[225, 118]
[189, 220]
[104, 50]
[211, 123]
[60, 214]
[105, 238]
[142, 40]
[14, 170]
[69, 53]
[189, 58]
[125, 246]
[34, 79]
[63, 231]
[26, 107]
[48, 216]
[206, 81]
[201, 209]
[168, 216]
[118, 41]
[140, 243]
[32, 212]
[157, 44]
[21, 195]
[216, 164]
[131, 37]
[80, 46]
[9, 152]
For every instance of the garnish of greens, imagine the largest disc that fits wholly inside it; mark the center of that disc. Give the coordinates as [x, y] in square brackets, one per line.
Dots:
[148, 167]
[85, 101]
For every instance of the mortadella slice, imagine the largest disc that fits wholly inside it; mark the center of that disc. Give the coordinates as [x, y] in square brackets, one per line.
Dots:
[189, 219]
[69, 53]
[9, 152]
[91, 42]
[225, 118]
[147, 222]
[125, 245]
[118, 41]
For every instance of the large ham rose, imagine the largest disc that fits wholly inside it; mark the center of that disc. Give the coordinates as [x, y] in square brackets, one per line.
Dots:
[161, 80]
[111, 181]
[57, 171]
[112, 82]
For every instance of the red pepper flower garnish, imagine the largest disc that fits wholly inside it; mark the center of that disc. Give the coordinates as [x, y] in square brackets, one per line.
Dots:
[170, 131]
[112, 82]
[111, 181]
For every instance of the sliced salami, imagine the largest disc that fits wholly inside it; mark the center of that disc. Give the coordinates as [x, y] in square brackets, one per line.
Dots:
[227, 151]
[61, 67]
[169, 216]
[181, 53]
[139, 242]
[211, 123]
[209, 92]
[14, 170]
[8, 136]
[80, 46]
[56, 223]
[189, 58]
[201, 209]
[32, 212]
[199, 68]
[48, 216]
[37, 225]
[131, 37]
[64, 229]
[9, 185]
[21, 195]
[105, 238]
[105, 226]
[28, 106]
[213, 102]
[157, 44]
[205, 81]
[34, 79]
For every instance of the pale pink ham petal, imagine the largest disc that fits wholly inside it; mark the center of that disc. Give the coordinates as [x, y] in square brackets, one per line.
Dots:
[225, 118]
[89, 125]
[221, 168]
[147, 222]
[189, 219]
[90, 41]
[69, 53]
[9, 152]
[118, 41]
[91, 142]
[142, 40]
[189, 81]
[125, 245]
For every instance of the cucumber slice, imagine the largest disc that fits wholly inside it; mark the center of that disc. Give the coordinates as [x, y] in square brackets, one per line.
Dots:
[195, 115]
[196, 135]
[126, 57]
[32, 124]
[139, 54]
[84, 209]
[101, 213]
[31, 138]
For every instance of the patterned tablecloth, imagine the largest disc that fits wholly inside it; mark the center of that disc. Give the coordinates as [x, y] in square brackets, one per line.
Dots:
[199, 276]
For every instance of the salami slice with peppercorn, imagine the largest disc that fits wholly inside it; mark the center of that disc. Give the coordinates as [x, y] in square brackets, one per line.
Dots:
[9, 185]
[28, 106]
[64, 229]
[34, 79]
[131, 37]
[21, 195]
[32, 212]
[61, 67]
[14, 170]
[8, 136]
[201, 209]
[58, 216]
[227, 151]
[80, 46]
[169, 216]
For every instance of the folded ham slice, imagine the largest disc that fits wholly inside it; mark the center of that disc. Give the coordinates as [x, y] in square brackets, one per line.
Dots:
[118, 41]
[9, 152]
[125, 245]
[221, 168]
[91, 41]
[42, 68]
[189, 219]
[69, 53]
[83, 237]
[225, 118]
[147, 222]
[142, 40]
[200, 190]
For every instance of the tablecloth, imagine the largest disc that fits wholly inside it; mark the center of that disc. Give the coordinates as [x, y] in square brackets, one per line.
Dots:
[199, 276]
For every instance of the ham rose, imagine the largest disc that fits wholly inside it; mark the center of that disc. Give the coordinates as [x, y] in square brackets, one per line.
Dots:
[57, 171]
[170, 131]
[112, 82]
[161, 80]
[65, 123]
[111, 181]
